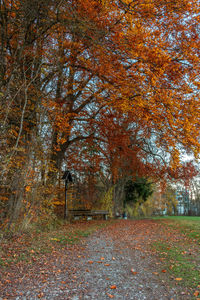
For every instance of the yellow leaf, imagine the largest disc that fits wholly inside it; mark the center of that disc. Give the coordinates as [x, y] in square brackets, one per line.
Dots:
[28, 188]
[178, 279]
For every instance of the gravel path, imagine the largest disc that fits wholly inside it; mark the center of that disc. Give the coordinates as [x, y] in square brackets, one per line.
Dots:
[115, 262]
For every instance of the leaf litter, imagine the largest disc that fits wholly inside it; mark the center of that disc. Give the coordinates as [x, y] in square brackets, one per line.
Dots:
[114, 262]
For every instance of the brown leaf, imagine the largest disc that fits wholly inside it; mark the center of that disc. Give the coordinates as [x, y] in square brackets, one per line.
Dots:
[40, 295]
[155, 273]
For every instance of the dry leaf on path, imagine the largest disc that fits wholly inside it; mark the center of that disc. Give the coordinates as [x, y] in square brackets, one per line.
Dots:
[113, 287]
[110, 296]
[133, 272]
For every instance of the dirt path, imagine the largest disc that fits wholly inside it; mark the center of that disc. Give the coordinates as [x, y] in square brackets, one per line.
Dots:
[115, 262]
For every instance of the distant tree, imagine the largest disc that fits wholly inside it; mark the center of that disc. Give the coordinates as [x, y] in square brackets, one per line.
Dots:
[170, 200]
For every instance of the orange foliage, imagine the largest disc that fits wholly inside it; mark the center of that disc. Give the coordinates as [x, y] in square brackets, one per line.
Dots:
[107, 87]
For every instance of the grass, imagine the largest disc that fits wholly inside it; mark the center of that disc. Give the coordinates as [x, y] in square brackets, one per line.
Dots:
[189, 226]
[31, 245]
[179, 263]
[180, 253]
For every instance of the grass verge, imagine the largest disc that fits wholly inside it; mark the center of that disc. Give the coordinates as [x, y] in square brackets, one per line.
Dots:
[180, 252]
[30, 246]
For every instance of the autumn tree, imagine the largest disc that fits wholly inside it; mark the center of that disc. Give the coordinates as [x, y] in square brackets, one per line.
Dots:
[24, 26]
[149, 52]
[67, 66]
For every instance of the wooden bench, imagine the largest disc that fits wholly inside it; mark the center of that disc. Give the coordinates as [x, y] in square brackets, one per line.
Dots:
[88, 213]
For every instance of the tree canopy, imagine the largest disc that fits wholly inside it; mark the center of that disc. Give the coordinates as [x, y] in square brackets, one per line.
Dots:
[107, 88]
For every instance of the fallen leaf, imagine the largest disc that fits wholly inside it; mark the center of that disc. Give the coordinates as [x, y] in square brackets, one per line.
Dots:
[106, 265]
[110, 296]
[113, 258]
[133, 272]
[90, 262]
[40, 295]
[164, 271]
[196, 293]
[113, 287]
[155, 273]
[178, 279]
[102, 258]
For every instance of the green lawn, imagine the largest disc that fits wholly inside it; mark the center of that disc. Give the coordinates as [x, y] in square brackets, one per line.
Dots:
[187, 225]
[180, 251]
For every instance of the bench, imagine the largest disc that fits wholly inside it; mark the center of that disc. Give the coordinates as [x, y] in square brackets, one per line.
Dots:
[76, 213]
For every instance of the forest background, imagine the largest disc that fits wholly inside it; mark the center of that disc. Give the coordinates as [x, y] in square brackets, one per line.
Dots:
[106, 89]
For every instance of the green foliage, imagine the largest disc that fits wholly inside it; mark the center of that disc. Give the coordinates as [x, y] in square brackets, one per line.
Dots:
[138, 190]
